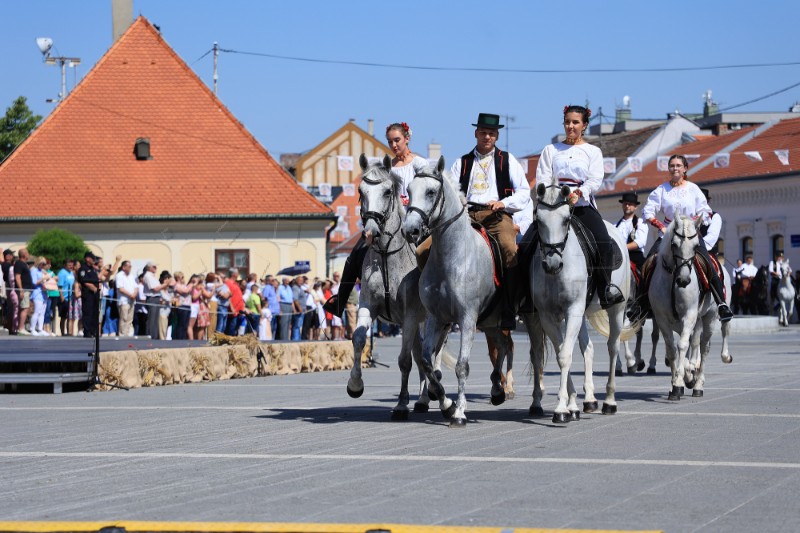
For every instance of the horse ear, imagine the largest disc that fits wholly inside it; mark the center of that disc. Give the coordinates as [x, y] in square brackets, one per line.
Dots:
[440, 164]
[565, 192]
[540, 189]
[387, 162]
[362, 160]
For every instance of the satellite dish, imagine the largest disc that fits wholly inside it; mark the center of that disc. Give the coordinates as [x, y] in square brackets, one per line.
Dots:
[626, 101]
[44, 44]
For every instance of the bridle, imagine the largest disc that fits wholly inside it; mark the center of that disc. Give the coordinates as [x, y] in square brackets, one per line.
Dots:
[380, 218]
[439, 202]
[558, 247]
[679, 261]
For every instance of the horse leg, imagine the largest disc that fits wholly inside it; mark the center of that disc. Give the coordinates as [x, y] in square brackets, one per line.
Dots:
[651, 368]
[400, 411]
[616, 315]
[693, 361]
[434, 339]
[587, 349]
[637, 352]
[493, 338]
[355, 385]
[537, 339]
[705, 347]
[565, 347]
[459, 418]
[725, 355]
[509, 385]
[421, 405]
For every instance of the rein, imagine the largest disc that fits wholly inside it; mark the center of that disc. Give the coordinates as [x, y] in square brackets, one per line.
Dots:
[679, 261]
[558, 247]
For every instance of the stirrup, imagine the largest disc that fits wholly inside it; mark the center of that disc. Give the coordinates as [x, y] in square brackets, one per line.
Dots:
[724, 312]
[612, 296]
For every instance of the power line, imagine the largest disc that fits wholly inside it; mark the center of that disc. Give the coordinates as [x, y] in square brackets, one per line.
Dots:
[508, 70]
[760, 98]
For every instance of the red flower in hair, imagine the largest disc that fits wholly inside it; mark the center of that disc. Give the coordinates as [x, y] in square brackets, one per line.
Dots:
[405, 126]
[588, 112]
[565, 109]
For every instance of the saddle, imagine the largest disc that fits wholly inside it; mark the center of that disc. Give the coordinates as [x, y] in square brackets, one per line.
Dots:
[592, 255]
[494, 247]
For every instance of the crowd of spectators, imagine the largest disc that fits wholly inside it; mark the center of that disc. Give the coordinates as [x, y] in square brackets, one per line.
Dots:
[87, 297]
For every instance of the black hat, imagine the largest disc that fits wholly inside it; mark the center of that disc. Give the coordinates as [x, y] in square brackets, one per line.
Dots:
[8, 251]
[487, 120]
[706, 194]
[89, 254]
[629, 197]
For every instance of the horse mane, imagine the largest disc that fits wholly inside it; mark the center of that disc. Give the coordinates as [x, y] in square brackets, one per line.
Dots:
[447, 178]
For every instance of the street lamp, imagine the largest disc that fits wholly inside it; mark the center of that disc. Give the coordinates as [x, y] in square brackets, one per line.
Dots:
[45, 44]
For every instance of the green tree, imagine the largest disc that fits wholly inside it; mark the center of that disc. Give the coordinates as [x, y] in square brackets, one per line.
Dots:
[16, 125]
[57, 245]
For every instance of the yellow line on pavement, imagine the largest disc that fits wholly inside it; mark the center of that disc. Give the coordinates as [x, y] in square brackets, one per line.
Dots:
[271, 527]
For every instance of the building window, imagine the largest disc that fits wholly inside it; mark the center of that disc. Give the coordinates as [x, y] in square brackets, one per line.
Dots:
[747, 247]
[227, 259]
[777, 245]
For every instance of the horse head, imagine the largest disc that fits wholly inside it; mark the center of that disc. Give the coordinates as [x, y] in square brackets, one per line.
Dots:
[785, 270]
[426, 200]
[553, 214]
[379, 196]
[682, 238]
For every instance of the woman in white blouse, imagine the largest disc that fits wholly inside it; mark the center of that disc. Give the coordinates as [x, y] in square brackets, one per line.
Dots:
[578, 164]
[404, 165]
[678, 195]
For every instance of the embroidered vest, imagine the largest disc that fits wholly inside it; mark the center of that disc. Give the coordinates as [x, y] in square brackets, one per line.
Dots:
[501, 173]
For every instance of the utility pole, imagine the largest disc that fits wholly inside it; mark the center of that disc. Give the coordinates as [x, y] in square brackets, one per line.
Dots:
[216, 77]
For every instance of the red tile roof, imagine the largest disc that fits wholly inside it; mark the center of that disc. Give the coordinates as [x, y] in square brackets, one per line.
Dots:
[204, 162]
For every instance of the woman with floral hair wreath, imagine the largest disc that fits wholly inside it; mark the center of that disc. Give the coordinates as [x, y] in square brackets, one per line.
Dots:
[404, 165]
[579, 165]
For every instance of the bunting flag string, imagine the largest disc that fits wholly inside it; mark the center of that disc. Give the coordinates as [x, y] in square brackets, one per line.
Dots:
[719, 159]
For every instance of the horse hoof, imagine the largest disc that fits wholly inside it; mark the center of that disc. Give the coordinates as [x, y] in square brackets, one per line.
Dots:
[589, 407]
[574, 416]
[458, 422]
[450, 411]
[498, 399]
[609, 409]
[400, 415]
[536, 410]
[420, 407]
[640, 366]
[697, 394]
[675, 394]
[651, 370]
[561, 418]
[632, 369]
[681, 391]
[510, 395]
[618, 372]
[354, 393]
[690, 384]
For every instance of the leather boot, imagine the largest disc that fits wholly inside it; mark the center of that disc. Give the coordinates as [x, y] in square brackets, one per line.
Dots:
[335, 305]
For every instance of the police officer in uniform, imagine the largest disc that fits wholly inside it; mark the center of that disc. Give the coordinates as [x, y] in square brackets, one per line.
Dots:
[632, 227]
[90, 284]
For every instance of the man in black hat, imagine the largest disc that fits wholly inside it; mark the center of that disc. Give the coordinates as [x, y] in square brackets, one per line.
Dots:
[496, 187]
[90, 284]
[633, 228]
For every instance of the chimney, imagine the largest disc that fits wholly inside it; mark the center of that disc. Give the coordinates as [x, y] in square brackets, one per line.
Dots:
[434, 151]
[121, 17]
[371, 127]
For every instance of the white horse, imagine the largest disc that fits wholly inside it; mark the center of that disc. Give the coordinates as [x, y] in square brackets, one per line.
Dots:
[679, 306]
[561, 297]
[786, 294]
[457, 283]
[389, 282]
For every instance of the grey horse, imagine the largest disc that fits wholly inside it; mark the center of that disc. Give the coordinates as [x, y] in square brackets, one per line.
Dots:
[457, 283]
[560, 267]
[389, 281]
[786, 294]
[674, 295]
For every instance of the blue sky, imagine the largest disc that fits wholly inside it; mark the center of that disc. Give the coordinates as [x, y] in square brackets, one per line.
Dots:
[290, 106]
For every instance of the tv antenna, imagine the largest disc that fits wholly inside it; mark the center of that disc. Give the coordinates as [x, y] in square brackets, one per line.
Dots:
[45, 44]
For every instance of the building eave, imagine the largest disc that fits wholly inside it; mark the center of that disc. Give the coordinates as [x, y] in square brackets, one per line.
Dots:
[330, 217]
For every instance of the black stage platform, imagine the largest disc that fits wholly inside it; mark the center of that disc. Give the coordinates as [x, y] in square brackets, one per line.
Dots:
[61, 360]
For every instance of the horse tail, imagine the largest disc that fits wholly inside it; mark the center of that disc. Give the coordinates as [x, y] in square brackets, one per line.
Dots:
[599, 321]
[448, 359]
